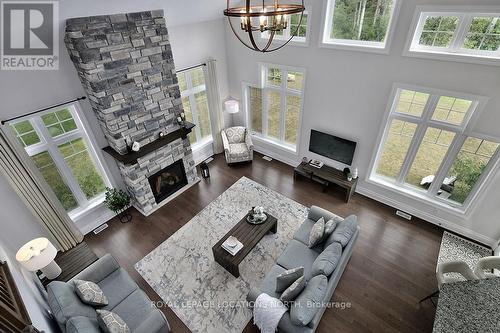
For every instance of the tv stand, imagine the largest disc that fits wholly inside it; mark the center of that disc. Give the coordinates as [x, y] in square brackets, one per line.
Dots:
[326, 176]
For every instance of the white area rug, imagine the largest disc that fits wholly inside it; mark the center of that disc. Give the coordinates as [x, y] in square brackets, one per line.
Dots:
[183, 272]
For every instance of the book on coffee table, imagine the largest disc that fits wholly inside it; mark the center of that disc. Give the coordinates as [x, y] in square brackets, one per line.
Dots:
[233, 250]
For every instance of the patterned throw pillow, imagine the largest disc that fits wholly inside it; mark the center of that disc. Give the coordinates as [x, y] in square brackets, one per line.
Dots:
[285, 279]
[90, 293]
[329, 227]
[294, 290]
[110, 322]
[317, 232]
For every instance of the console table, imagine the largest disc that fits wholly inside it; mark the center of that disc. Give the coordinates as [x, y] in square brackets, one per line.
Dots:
[326, 175]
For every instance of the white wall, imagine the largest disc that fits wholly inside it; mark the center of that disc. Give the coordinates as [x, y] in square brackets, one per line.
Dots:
[192, 43]
[347, 94]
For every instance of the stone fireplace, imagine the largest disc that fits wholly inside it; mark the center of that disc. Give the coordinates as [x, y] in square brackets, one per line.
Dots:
[125, 64]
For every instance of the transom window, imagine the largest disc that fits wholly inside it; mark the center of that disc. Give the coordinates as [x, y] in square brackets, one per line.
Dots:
[275, 110]
[60, 148]
[428, 150]
[457, 34]
[195, 103]
[359, 23]
[294, 24]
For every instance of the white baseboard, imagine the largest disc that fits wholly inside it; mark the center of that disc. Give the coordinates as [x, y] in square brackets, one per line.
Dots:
[428, 217]
[88, 228]
[277, 157]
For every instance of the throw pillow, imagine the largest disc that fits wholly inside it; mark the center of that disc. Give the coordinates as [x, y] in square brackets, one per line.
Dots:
[285, 279]
[327, 261]
[307, 304]
[294, 290]
[330, 227]
[90, 293]
[345, 230]
[317, 232]
[110, 322]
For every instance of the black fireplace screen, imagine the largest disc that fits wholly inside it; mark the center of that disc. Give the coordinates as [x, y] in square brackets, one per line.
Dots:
[168, 181]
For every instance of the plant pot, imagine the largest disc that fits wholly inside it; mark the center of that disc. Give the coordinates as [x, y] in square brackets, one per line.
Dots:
[124, 216]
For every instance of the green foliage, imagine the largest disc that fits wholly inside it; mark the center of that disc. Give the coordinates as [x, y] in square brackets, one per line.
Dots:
[350, 23]
[468, 170]
[116, 200]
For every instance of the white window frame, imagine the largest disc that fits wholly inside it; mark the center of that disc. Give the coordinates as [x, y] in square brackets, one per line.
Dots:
[49, 144]
[296, 41]
[283, 90]
[454, 52]
[190, 92]
[461, 133]
[356, 45]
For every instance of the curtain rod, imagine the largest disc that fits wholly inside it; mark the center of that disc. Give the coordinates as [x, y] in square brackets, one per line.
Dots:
[44, 109]
[191, 67]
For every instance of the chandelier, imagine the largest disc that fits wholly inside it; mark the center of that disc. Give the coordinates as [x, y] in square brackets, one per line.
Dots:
[267, 18]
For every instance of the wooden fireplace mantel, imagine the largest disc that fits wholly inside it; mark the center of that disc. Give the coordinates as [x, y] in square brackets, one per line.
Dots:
[131, 157]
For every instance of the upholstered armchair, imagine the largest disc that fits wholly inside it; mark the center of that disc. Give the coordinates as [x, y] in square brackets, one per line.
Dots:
[238, 146]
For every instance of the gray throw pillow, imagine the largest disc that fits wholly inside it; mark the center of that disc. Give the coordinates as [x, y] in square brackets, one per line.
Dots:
[294, 290]
[344, 231]
[308, 303]
[110, 322]
[317, 232]
[327, 261]
[90, 293]
[330, 227]
[285, 279]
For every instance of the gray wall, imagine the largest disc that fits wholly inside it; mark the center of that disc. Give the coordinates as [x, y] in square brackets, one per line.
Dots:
[347, 93]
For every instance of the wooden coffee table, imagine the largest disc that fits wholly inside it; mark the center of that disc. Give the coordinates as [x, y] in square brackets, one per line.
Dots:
[249, 235]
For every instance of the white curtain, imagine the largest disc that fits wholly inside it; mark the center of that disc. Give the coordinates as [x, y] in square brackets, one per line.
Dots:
[214, 105]
[29, 184]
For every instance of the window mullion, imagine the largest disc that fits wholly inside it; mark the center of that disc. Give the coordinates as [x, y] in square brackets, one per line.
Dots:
[417, 138]
[284, 80]
[194, 114]
[448, 160]
[465, 21]
[264, 111]
[60, 163]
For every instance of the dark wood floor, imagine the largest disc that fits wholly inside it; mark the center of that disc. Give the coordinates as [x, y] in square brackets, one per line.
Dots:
[392, 266]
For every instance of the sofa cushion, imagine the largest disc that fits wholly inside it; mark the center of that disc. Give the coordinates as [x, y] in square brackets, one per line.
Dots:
[82, 325]
[298, 254]
[293, 290]
[117, 286]
[285, 279]
[344, 231]
[327, 261]
[65, 304]
[238, 150]
[235, 134]
[134, 309]
[90, 293]
[110, 322]
[306, 305]
[317, 232]
[268, 285]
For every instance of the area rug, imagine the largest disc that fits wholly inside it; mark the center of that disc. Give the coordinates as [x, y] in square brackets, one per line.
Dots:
[454, 247]
[183, 272]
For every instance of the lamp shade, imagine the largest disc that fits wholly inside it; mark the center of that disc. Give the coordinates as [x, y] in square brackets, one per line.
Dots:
[36, 254]
[232, 106]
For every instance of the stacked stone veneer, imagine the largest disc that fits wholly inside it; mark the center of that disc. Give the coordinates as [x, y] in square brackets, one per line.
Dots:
[125, 64]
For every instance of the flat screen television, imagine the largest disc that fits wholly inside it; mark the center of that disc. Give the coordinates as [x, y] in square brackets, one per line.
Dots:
[331, 146]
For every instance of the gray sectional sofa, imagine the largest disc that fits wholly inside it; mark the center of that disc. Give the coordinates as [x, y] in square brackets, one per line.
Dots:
[297, 253]
[124, 297]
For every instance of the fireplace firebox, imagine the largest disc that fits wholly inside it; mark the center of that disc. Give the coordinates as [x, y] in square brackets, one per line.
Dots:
[167, 181]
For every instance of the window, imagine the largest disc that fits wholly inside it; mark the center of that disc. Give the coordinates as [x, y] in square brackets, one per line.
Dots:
[60, 148]
[427, 149]
[359, 23]
[455, 34]
[194, 101]
[275, 110]
[294, 24]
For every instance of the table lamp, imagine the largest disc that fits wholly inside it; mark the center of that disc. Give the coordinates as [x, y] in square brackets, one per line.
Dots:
[39, 254]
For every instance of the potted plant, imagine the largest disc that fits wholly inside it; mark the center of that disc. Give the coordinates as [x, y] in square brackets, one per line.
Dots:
[118, 201]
